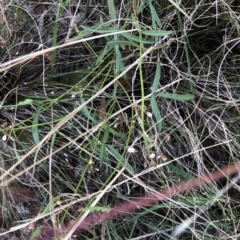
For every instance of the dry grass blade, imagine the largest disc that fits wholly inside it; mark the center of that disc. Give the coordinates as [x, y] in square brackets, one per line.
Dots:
[111, 111]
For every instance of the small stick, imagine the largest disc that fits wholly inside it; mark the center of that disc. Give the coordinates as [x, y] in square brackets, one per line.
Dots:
[148, 199]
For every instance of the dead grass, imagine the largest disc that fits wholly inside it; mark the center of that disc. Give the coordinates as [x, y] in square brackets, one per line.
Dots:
[103, 102]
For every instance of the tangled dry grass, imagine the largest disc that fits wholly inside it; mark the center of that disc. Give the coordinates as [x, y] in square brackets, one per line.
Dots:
[103, 102]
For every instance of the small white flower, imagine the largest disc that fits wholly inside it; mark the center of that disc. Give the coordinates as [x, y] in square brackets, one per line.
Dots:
[149, 114]
[116, 124]
[4, 138]
[152, 155]
[132, 150]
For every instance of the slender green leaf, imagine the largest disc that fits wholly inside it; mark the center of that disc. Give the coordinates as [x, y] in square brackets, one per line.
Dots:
[86, 112]
[53, 139]
[155, 18]
[141, 6]
[35, 234]
[117, 134]
[153, 101]
[103, 146]
[81, 34]
[100, 30]
[47, 208]
[101, 20]
[159, 33]
[112, 11]
[178, 97]
[35, 122]
[156, 113]
[123, 43]
[106, 135]
[102, 154]
[25, 102]
[179, 171]
[134, 38]
[119, 157]
[119, 61]
[156, 78]
[136, 24]
[96, 209]
[89, 30]
[103, 53]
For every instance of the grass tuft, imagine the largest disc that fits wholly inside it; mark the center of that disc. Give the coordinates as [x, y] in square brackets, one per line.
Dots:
[105, 101]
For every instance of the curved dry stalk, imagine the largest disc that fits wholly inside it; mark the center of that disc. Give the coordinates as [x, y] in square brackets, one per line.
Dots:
[144, 201]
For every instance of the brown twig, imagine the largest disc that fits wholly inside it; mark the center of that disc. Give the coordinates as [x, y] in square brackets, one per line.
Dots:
[148, 200]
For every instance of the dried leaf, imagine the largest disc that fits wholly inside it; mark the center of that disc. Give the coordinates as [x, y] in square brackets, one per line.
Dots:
[102, 110]
[19, 194]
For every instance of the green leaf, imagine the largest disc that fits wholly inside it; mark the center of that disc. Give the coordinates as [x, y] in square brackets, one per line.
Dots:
[86, 112]
[103, 146]
[119, 62]
[159, 33]
[178, 97]
[88, 30]
[119, 157]
[153, 101]
[180, 172]
[117, 134]
[35, 122]
[136, 23]
[156, 78]
[102, 154]
[123, 43]
[25, 102]
[154, 15]
[134, 38]
[81, 34]
[112, 11]
[47, 208]
[100, 30]
[155, 19]
[156, 113]
[103, 53]
[96, 209]
[35, 234]
[53, 139]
